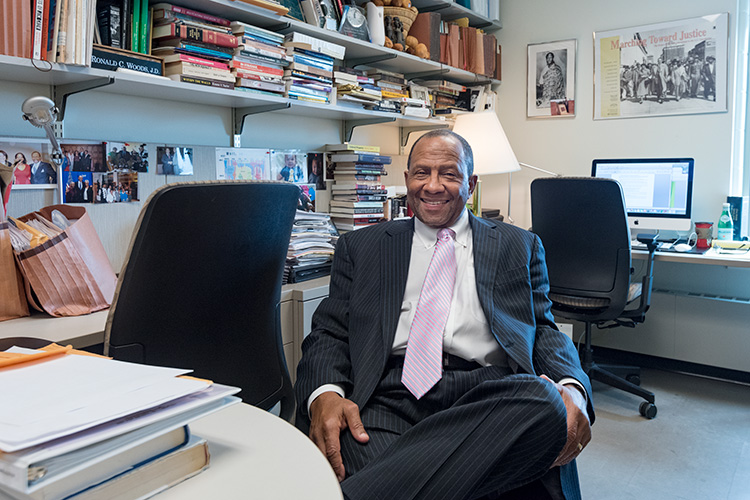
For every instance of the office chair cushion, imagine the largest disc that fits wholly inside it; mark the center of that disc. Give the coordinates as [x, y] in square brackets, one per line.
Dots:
[634, 291]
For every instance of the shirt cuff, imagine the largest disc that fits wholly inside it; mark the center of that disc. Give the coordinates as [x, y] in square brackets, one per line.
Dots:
[324, 388]
[568, 381]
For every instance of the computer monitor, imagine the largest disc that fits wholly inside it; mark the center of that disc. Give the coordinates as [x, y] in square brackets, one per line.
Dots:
[658, 191]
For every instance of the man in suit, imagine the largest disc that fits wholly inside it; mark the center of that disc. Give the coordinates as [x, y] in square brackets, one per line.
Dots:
[512, 406]
[41, 171]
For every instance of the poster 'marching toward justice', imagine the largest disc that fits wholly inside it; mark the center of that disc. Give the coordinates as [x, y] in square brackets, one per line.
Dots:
[671, 68]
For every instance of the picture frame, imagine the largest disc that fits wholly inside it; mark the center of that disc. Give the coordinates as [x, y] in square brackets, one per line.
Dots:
[635, 68]
[551, 77]
[419, 92]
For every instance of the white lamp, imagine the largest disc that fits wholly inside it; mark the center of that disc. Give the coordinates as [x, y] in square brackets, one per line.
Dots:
[492, 151]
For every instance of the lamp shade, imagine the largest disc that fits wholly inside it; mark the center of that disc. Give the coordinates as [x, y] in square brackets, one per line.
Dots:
[485, 135]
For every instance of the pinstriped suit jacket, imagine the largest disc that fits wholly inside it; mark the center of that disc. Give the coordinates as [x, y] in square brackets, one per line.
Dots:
[353, 329]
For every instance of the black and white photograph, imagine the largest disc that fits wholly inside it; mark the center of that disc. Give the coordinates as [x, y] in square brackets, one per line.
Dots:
[671, 68]
[30, 159]
[551, 78]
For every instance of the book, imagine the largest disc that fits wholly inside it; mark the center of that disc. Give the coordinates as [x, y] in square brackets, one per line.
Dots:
[108, 18]
[256, 68]
[240, 28]
[185, 32]
[259, 84]
[73, 472]
[356, 185]
[361, 158]
[135, 42]
[426, 29]
[300, 40]
[353, 147]
[357, 219]
[738, 210]
[154, 476]
[344, 177]
[177, 57]
[356, 204]
[199, 71]
[356, 212]
[208, 82]
[167, 47]
[38, 33]
[262, 48]
[160, 10]
[251, 56]
[265, 4]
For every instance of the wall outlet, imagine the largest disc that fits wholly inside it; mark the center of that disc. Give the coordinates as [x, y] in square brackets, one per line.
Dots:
[566, 328]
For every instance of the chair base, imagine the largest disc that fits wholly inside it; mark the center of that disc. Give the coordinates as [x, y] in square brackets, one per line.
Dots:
[603, 373]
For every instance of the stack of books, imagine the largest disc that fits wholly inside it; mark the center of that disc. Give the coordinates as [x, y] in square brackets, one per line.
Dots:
[354, 86]
[309, 76]
[311, 247]
[109, 429]
[445, 94]
[196, 47]
[358, 194]
[413, 106]
[259, 60]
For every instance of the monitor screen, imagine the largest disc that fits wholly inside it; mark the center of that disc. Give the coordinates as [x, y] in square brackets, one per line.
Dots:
[658, 191]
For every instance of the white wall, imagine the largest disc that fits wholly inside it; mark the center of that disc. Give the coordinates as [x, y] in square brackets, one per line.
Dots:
[567, 146]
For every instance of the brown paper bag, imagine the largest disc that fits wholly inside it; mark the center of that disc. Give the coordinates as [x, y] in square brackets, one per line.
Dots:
[70, 274]
[12, 298]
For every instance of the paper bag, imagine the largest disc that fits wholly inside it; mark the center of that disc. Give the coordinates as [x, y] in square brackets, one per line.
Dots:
[12, 298]
[70, 274]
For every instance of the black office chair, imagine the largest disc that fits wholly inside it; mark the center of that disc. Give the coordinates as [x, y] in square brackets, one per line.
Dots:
[583, 226]
[27, 342]
[201, 286]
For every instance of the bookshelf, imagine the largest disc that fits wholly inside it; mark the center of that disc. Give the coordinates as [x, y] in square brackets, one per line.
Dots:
[67, 79]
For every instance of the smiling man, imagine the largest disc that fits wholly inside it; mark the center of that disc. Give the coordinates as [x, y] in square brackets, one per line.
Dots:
[434, 369]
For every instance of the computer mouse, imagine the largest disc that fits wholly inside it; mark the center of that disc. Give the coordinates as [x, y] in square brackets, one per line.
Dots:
[682, 247]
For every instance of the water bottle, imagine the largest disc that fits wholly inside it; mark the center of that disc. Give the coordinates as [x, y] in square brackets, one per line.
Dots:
[725, 227]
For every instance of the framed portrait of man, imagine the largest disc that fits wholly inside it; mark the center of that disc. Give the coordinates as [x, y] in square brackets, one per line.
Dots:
[551, 80]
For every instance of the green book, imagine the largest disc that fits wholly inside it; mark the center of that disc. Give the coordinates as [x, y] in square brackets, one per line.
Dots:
[136, 24]
[144, 31]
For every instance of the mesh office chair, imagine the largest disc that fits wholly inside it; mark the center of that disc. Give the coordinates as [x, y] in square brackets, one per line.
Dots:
[201, 286]
[583, 225]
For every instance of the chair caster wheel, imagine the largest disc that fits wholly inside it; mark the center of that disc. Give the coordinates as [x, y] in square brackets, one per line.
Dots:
[648, 410]
[634, 379]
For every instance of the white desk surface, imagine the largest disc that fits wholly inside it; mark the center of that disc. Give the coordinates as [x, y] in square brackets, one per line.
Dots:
[255, 454]
[711, 257]
[80, 331]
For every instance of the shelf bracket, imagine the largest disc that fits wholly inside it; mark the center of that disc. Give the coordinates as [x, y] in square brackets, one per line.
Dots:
[61, 92]
[426, 75]
[350, 125]
[405, 132]
[239, 115]
[366, 61]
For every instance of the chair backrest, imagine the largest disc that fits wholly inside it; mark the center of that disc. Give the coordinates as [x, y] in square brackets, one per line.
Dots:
[201, 286]
[583, 225]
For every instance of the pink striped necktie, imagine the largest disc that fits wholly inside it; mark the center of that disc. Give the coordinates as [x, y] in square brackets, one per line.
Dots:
[423, 366]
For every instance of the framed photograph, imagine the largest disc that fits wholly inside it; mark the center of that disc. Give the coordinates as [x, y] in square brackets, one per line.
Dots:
[290, 166]
[127, 156]
[419, 92]
[551, 78]
[30, 159]
[243, 164]
[79, 156]
[670, 68]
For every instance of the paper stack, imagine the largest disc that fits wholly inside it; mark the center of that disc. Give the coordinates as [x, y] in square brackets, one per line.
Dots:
[83, 426]
[311, 247]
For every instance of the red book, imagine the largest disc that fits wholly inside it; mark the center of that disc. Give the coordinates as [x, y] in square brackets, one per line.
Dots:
[159, 9]
[183, 32]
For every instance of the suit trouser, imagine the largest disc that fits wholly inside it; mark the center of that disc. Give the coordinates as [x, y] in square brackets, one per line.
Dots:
[477, 432]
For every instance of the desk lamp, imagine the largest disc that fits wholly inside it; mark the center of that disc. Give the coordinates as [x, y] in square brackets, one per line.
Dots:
[41, 112]
[492, 151]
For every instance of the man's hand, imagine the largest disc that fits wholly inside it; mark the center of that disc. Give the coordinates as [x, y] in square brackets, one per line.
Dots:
[329, 415]
[579, 427]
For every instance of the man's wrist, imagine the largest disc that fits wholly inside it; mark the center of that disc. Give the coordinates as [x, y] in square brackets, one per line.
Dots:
[323, 389]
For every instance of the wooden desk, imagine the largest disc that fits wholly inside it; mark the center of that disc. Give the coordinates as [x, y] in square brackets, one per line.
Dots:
[255, 454]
